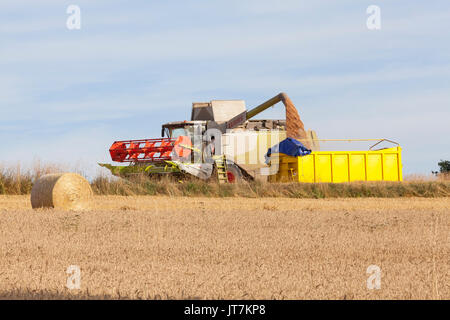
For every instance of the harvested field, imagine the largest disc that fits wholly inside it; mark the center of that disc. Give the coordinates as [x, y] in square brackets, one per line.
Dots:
[232, 248]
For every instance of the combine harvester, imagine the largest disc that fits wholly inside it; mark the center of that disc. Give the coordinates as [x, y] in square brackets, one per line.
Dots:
[222, 141]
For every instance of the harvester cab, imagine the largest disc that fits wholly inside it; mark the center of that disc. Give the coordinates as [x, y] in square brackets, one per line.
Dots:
[183, 128]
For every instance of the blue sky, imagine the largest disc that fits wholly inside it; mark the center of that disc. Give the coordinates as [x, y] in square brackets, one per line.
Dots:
[66, 95]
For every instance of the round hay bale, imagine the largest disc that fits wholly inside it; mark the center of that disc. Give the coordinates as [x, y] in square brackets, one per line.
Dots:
[68, 191]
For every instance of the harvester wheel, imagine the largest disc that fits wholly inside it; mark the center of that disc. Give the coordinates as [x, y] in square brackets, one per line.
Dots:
[234, 174]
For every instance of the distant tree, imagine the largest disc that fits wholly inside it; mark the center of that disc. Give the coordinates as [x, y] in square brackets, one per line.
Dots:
[444, 166]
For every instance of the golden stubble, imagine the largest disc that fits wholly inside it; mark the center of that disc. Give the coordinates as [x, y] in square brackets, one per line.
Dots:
[232, 248]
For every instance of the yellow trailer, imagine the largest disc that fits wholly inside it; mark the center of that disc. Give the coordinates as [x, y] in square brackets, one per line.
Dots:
[339, 166]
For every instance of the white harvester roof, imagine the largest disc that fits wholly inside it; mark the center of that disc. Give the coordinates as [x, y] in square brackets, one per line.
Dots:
[217, 110]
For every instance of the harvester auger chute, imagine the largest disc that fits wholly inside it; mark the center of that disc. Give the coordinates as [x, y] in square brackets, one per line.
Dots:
[184, 147]
[294, 126]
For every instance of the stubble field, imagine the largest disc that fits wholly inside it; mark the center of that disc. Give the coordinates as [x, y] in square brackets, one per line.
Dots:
[156, 247]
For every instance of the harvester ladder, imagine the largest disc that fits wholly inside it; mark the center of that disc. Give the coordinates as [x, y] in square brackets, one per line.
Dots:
[221, 167]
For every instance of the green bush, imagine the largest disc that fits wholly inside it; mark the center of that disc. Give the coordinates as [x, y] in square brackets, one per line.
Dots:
[444, 166]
